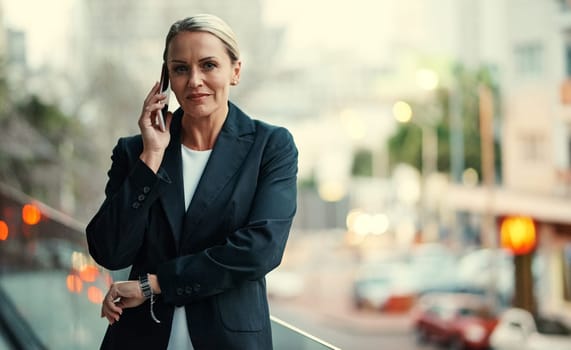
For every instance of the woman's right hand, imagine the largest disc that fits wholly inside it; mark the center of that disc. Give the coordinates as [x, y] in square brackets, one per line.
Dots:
[155, 140]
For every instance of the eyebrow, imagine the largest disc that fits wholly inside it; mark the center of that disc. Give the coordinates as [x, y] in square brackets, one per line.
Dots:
[200, 60]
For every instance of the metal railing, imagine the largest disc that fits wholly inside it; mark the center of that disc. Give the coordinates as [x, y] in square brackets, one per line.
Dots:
[51, 290]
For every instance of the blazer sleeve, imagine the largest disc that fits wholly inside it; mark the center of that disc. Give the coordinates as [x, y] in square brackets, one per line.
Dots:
[116, 232]
[250, 252]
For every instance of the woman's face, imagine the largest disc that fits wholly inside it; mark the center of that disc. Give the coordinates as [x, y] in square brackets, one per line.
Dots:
[201, 73]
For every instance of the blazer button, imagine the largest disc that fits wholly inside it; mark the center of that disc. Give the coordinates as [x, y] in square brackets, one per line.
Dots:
[188, 290]
[196, 287]
[146, 189]
[179, 291]
[136, 205]
[141, 197]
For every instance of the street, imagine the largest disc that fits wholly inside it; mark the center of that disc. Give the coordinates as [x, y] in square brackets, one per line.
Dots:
[372, 332]
[324, 306]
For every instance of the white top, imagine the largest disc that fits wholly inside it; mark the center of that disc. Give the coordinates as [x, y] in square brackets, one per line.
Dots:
[193, 164]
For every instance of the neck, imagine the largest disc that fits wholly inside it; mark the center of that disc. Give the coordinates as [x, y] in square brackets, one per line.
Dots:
[200, 134]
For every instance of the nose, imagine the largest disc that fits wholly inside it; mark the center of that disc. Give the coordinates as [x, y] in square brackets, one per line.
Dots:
[195, 78]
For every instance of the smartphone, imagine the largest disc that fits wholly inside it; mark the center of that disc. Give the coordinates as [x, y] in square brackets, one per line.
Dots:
[164, 89]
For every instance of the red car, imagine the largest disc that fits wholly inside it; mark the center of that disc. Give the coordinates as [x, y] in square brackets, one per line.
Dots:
[456, 320]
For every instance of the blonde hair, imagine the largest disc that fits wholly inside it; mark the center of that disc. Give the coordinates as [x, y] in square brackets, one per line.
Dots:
[206, 23]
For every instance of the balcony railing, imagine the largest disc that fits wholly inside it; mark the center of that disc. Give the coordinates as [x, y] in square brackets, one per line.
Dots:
[51, 290]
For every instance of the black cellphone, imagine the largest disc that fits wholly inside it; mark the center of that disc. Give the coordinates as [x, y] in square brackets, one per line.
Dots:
[164, 89]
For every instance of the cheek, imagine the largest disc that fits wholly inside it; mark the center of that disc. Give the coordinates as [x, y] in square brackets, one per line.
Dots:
[177, 85]
[222, 83]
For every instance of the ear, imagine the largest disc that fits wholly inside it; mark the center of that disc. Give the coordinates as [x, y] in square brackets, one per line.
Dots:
[236, 73]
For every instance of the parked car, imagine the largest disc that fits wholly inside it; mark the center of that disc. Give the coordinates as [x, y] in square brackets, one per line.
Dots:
[492, 270]
[384, 286]
[518, 329]
[456, 320]
[433, 268]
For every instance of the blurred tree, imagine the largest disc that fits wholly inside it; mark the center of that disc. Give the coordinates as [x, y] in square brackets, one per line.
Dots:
[405, 146]
[46, 118]
[3, 91]
[362, 163]
[41, 147]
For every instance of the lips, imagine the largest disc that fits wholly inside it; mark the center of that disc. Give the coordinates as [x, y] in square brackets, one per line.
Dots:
[197, 96]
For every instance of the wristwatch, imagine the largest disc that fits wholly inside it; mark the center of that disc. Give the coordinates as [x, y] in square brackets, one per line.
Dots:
[145, 286]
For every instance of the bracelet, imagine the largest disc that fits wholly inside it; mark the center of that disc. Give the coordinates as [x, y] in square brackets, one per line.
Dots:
[153, 300]
[145, 286]
[148, 293]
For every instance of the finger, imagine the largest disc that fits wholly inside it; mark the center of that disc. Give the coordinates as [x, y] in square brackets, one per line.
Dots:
[153, 92]
[157, 98]
[151, 111]
[112, 319]
[114, 308]
[111, 316]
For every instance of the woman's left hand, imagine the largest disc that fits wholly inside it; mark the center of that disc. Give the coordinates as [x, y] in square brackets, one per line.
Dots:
[121, 295]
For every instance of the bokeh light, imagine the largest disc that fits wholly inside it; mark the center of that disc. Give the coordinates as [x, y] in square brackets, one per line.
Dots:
[74, 283]
[3, 230]
[31, 214]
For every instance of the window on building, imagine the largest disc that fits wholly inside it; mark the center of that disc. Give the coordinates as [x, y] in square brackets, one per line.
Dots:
[529, 60]
[569, 153]
[532, 147]
[568, 59]
[567, 272]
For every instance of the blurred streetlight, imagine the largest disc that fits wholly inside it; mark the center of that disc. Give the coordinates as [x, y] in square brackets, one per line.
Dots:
[427, 79]
[403, 113]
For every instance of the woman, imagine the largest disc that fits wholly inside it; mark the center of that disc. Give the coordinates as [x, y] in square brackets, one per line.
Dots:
[201, 211]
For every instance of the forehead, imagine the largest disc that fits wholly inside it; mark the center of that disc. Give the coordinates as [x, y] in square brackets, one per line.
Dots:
[196, 43]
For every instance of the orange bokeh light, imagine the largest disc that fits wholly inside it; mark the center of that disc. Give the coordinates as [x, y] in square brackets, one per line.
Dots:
[89, 273]
[95, 295]
[108, 279]
[3, 230]
[518, 234]
[31, 214]
[74, 283]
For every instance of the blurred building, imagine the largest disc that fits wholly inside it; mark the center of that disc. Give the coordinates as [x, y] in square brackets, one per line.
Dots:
[2, 33]
[534, 123]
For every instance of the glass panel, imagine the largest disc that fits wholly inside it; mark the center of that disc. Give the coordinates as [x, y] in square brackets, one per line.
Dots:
[4, 343]
[286, 337]
[57, 289]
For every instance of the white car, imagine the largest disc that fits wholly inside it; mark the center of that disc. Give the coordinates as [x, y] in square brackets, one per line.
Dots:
[518, 329]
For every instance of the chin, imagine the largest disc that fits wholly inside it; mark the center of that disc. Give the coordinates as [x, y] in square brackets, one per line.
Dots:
[200, 111]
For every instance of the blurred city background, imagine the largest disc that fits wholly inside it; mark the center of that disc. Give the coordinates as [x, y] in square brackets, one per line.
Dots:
[434, 143]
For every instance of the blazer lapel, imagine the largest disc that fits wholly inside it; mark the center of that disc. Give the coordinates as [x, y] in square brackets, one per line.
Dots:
[172, 197]
[228, 154]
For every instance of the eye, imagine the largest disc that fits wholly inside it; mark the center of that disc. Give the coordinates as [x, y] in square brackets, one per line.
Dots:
[209, 65]
[180, 69]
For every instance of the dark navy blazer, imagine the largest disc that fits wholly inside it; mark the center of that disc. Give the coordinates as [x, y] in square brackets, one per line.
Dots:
[212, 257]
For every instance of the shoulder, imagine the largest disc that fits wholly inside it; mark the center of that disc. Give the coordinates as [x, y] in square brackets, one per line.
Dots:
[277, 136]
[265, 132]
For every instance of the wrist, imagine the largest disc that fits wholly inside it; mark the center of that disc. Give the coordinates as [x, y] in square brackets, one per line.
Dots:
[154, 283]
[148, 291]
[144, 285]
[152, 159]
